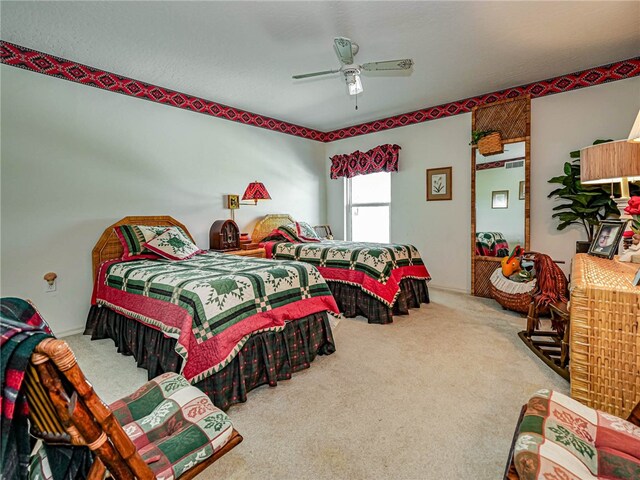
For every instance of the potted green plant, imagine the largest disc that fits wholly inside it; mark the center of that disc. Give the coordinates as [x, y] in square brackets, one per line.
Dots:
[584, 205]
[489, 142]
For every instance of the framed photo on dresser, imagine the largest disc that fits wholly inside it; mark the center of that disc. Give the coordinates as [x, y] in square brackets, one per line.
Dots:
[607, 239]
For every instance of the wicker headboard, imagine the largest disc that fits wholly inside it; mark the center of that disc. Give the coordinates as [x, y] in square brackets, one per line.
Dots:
[268, 223]
[109, 247]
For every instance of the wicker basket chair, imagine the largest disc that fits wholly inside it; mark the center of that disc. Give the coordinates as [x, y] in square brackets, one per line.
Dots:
[64, 409]
[511, 295]
[519, 296]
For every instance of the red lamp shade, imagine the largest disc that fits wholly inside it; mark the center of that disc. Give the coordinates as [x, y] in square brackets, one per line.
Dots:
[256, 191]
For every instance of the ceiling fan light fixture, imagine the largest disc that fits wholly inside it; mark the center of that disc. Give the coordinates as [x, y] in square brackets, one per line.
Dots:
[354, 84]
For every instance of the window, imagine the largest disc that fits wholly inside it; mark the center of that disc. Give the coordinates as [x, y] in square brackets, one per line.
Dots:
[368, 207]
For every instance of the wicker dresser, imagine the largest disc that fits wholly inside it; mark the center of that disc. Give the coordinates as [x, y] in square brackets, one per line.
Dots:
[605, 334]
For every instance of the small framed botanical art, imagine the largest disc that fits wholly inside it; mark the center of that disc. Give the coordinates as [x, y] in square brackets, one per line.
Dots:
[233, 202]
[439, 183]
[607, 239]
[500, 199]
[521, 191]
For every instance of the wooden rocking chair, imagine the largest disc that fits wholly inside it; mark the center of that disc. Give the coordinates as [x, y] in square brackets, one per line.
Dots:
[551, 346]
[64, 409]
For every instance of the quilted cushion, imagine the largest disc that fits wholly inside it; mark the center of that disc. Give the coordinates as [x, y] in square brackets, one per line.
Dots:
[559, 438]
[297, 232]
[133, 237]
[172, 244]
[306, 231]
[173, 425]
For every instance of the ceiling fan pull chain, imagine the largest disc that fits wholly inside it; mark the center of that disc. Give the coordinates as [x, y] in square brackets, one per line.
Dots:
[356, 102]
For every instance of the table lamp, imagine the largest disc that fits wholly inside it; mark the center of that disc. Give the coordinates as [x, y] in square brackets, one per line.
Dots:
[634, 135]
[612, 162]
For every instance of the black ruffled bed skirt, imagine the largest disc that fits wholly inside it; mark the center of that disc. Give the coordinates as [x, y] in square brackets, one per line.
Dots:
[266, 357]
[353, 301]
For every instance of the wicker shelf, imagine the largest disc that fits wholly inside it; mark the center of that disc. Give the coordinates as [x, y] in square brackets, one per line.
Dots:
[605, 335]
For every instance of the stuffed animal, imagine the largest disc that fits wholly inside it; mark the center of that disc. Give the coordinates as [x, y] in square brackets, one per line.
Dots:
[527, 270]
[511, 264]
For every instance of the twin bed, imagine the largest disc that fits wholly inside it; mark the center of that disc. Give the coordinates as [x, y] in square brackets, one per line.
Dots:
[230, 323]
[369, 279]
[227, 323]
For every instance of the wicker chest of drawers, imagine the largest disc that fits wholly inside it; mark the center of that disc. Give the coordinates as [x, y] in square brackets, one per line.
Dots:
[605, 334]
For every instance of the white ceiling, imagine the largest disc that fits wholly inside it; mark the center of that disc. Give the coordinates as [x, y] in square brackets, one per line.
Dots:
[244, 53]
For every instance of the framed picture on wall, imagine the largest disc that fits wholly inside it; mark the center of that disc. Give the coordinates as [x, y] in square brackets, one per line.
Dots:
[439, 183]
[521, 191]
[500, 199]
[233, 202]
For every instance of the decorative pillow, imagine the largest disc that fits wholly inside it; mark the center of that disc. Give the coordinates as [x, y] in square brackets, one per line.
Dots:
[306, 232]
[133, 237]
[286, 233]
[172, 244]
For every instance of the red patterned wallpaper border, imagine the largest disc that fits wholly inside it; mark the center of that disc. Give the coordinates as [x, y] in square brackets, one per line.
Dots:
[22, 57]
[496, 164]
[564, 83]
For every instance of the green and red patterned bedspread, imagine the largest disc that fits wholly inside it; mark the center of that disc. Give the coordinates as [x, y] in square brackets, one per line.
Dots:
[213, 302]
[376, 268]
[491, 244]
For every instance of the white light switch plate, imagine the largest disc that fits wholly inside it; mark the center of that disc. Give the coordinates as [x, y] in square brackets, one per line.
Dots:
[50, 288]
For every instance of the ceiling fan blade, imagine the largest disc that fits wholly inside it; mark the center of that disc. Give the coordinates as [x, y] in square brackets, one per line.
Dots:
[344, 50]
[315, 74]
[402, 64]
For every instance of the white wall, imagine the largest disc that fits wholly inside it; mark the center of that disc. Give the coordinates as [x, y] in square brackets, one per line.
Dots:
[563, 123]
[508, 221]
[441, 230]
[76, 159]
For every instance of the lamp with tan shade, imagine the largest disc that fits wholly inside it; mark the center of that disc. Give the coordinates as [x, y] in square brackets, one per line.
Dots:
[611, 162]
[634, 135]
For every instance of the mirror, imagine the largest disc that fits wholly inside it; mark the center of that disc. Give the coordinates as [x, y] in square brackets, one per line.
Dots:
[500, 194]
[499, 188]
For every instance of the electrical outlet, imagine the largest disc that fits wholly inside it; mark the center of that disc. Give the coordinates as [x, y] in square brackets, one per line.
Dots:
[50, 288]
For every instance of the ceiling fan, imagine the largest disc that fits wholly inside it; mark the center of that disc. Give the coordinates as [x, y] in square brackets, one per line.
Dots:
[345, 50]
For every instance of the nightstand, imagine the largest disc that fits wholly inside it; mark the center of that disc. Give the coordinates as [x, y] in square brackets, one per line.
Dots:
[255, 252]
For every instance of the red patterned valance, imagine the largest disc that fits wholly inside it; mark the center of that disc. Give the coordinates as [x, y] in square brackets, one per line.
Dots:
[383, 158]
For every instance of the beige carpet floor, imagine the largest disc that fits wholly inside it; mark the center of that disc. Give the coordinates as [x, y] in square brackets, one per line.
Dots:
[435, 395]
